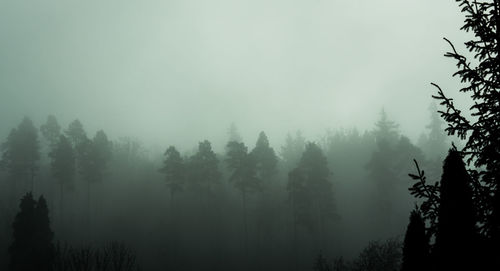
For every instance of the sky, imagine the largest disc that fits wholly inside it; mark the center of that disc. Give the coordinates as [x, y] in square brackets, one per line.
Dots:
[177, 72]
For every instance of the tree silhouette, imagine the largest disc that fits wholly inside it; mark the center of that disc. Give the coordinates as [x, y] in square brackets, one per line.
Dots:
[265, 158]
[174, 170]
[416, 244]
[456, 231]
[203, 169]
[63, 167]
[94, 156]
[292, 150]
[310, 192]
[32, 247]
[243, 169]
[76, 133]
[51, 130]
[21, 153]
[481, 78]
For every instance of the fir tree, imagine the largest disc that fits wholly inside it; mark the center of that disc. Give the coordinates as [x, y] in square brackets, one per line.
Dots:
[174, 170]
[416, 244]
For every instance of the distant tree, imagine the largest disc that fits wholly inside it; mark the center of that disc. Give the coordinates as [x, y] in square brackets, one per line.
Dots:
[94, 156]
[383, 168]
[416, 244]
[456, 229]
[174, 170]
[436, 143]
[265, 158]
[51, 130]
[203, 171]
[32, 247]
[292, 150]
[63, 167]
[21, 153]
[310, 191]
[234, 134]
[243, 169]
[76, 133]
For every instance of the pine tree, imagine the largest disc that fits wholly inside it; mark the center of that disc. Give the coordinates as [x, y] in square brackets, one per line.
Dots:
[311, 192]
[21, 153]
[416, 244]
[174, 170]
[243, 169]
[203, 171]
[43, 240]
[63, 167]
[51, 130]
[265, 158]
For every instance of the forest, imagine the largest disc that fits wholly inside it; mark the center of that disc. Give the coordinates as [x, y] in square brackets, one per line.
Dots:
[76, 197]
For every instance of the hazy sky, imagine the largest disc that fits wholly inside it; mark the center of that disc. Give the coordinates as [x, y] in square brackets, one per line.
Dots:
[176, 72]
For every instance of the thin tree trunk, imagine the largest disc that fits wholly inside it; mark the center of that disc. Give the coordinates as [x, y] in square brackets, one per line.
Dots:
[245, 221]
[88, 212]
[61, 205]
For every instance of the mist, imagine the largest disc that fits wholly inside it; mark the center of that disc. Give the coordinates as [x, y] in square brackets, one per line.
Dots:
[326, 78]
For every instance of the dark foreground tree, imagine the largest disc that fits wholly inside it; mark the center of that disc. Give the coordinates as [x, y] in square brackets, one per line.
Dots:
[416, 244]
[32, 247]
[480, 75]
[456, 230]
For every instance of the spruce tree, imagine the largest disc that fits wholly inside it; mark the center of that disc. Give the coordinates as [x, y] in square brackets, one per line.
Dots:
[416, 244]
[32, 247]
[456, 229]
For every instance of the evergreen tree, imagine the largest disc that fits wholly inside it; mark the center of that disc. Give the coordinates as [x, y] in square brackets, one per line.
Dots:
[51, 130]
[243, 175]
[174, 170]
[480, 75]
[21, 153]
[456, 229]
[416, 244]
[43, 240]
[310, 192]
[203, 171]
[63, 167]
[32, 247]
[292, 150]
[265, 158]
[76, 133]
[382, 168]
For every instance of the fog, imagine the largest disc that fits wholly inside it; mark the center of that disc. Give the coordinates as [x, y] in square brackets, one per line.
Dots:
[172, 72]
[175, 73]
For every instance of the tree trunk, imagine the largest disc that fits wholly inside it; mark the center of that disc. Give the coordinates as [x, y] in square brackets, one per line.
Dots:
[245, 221]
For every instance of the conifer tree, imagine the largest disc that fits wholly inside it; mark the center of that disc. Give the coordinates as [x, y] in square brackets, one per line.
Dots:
[265, 158]
[32, 247]
[456, 229]
[203, 169]
[51, 130]
[63, 167]
[416, 244]
[21, 153]
[174, 170]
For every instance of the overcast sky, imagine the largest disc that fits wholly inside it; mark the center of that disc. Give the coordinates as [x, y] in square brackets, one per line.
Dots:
[176, 72]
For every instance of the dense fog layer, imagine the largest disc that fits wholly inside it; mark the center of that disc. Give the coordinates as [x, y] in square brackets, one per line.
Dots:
[187, 131]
